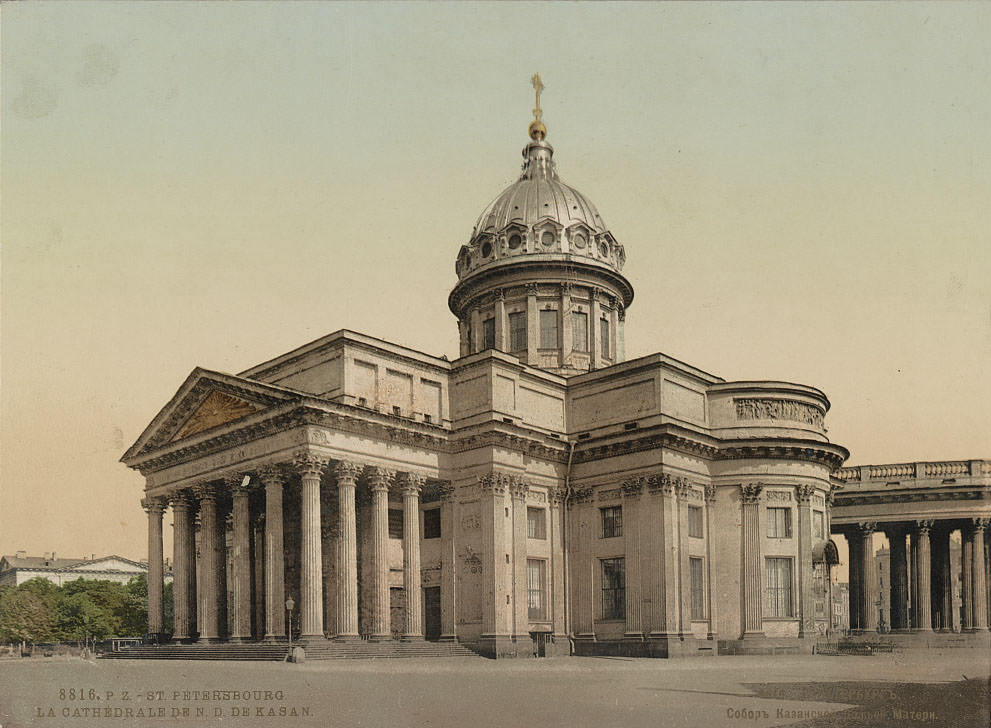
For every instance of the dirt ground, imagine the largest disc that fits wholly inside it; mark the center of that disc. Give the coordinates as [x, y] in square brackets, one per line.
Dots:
[907, 689]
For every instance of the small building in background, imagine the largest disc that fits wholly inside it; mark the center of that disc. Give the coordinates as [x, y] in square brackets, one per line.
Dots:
[18, 568]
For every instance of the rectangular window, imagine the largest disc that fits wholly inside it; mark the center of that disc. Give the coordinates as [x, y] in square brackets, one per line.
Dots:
[779, 522]
[517, 331]
[612, 521]
[695, 566]
[536, 524]
[579, 331]
[614, 588]
[777, 602]
[536, 589]
[548, 330]
[695, 521]
[820, 525]
[395, 523]
[431, 523]
[604, 337]
[488, 334]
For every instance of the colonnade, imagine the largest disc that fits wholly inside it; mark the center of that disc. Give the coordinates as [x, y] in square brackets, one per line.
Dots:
[921, 579]
[210, 593]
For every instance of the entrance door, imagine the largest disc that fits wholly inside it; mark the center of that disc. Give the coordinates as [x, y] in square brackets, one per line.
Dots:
[431, 613]
[539, 644]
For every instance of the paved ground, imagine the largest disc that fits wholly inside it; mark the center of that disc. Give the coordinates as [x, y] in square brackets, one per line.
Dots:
[924, 689]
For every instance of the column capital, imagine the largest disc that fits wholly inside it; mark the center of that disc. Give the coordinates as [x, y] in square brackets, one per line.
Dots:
[750, 493]
[181, 500]
[518, 487]
[308, 464]
[557, 495]
[682, 488]
[979, 523]
[271, 475]
[445, 492]
[205, 492]
[621, 311]
[499, 294]
[923, 526]
[494, 482]
[233, 480]
[804, 493]
[866, 527]
[411, 483]
[153, 505]
[661, 483]
[633, 487]
[567, 289]
[380, 478]
[582, 495]
[710, 493]
[347, 471]
[532, 289]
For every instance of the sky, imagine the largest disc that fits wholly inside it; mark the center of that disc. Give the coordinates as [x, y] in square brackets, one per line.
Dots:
[802, 190]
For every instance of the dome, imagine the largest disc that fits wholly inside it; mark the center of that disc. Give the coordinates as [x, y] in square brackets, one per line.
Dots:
[539, 215]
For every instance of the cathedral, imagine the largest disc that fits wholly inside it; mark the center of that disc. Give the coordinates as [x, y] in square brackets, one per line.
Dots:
[538, 496]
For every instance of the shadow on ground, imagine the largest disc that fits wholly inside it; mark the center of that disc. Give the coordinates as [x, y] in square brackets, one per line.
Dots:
[963, 704]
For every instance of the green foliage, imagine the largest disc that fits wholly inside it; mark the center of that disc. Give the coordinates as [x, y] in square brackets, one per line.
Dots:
[39, 611]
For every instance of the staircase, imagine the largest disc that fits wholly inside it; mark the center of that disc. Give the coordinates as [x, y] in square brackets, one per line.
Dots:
[257, 652]
[365, 650]
[321, 650]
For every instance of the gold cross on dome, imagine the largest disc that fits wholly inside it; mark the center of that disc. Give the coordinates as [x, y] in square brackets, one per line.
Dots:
[538, 86]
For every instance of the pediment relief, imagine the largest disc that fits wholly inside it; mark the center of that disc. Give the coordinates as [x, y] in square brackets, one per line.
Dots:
[218, 408]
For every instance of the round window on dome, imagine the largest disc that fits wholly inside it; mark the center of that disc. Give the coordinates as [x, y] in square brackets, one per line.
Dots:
[547, 238]
[603, 250]
[579, 240]
[486, 249]
[515, 241]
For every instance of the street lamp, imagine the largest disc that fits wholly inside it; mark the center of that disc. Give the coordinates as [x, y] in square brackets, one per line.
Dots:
[289, 605]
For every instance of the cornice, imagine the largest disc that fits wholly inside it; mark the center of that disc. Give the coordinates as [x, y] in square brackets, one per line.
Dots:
[684, 441]
[825, 453]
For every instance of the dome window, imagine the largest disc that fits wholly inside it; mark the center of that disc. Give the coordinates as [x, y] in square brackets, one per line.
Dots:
[547, 238]
[486, 249]
[580, 240]
[515, 241]
[603, 250]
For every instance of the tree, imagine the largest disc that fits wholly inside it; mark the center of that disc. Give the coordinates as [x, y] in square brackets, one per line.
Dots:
[78, 618]
[24, 617]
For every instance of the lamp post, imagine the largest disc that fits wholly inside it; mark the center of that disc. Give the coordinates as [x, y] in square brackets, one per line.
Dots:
[289, 605]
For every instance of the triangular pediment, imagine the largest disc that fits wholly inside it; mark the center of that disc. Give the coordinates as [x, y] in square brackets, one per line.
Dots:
[206, 401]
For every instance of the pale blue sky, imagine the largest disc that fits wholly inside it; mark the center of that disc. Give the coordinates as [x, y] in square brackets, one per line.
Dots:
[802, 190]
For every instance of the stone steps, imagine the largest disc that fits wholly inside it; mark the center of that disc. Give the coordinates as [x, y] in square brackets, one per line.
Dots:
[326, 650]
[364, 650]
[254, 652]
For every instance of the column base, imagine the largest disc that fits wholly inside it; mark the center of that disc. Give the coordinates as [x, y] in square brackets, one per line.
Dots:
[380, 637]
[271, 639]
[347, 638]
[497, 645]
[210, 641]
[240, 640]
[412, 638]
[448, 638]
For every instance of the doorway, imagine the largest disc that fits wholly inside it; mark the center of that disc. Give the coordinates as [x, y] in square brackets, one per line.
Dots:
[431, 613]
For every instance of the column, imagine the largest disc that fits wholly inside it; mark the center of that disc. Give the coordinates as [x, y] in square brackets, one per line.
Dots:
[532, 326]
[914, 576]
[632, 491]
[620, 332]
[924, 611]
[310, 467]
[855, 546]
[449, 564]
[476, 330]
[183, 566]
[379, 480]
[557, 573]
[594, 330]
[564, 326]
[241, 583]
[347, 550]
[978, 577]
[753, 565]
[518, 489]
[710, 503]
[899, 579]
[868, 578]
[275, 588]
[806, 608]
[684, 576]
[940, 544]
[155, 507]
[258, 585]
[209, 561]
[463, 326]
[501, 342]
[411, 484]
[967, 585]
[496, 637]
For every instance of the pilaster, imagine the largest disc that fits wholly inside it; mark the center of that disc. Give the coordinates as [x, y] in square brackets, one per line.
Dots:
[753, 597]
[518, 489]
[632, 490]
[532, 326]
[449, 564]
[806, 608]
[500, 321]
[711, 604]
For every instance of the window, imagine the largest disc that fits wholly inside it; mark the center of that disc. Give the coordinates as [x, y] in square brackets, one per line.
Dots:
[612, 521]
[548, 330]
[614, 588]
[395, 523]
[695, 521]
[579, 331]
[695, 567]
[536, 591]
[779, 522]
[536, 524]
[778, 595]
[431, 523]
[604, 337]
[820, 525]
[517, 331]
[488, 334]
